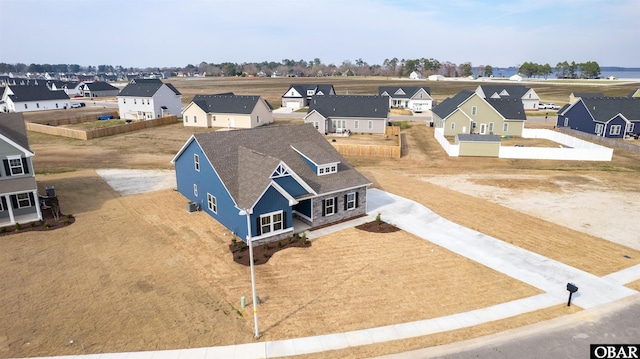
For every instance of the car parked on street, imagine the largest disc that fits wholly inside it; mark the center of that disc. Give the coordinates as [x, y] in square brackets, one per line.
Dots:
[552, 106]
[542, 106]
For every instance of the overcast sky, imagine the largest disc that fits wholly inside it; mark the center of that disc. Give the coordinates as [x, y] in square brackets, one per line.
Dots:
[163, 33]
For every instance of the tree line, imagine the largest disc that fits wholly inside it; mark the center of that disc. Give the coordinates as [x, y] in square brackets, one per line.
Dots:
[393, 67]
[563, 70]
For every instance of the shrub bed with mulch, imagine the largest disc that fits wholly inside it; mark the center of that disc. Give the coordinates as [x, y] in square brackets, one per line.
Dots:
[262, 253]
[48, 223]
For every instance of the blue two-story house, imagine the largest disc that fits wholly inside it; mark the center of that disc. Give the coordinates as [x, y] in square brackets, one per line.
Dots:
[18, 188]
[261, 182]
[614, 117]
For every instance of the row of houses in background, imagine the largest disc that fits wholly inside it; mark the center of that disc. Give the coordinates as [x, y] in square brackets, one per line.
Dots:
[39, 95]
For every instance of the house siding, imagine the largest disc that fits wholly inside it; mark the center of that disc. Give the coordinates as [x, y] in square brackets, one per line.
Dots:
[317, 117]
[271, 201]
[192, 112]
[461, 121]
[579, 119]
[208, 181]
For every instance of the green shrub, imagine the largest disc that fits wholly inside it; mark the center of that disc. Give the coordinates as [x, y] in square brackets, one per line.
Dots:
[280, 245]
[18, 226]
[47, 225]
[378, 219]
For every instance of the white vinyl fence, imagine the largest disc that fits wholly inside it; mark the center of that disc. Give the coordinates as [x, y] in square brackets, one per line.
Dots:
[569, 148]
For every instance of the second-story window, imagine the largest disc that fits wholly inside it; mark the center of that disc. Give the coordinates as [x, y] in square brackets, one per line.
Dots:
[15, 166]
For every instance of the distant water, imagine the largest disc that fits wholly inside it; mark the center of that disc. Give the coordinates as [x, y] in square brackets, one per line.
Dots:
[633, 73]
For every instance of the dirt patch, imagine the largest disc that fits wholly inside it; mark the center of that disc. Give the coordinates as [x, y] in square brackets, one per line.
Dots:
[262, 253]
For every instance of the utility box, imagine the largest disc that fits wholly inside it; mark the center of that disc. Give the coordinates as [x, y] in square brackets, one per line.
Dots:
[51, 192]
[192, 207]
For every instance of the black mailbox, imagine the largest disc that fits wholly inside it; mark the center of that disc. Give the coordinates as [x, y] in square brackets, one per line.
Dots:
[572, 288]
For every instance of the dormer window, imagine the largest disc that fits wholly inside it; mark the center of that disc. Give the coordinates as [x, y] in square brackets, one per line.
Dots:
[327, 169]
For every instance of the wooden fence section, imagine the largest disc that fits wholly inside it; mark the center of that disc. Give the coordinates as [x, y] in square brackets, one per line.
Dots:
[100, 132]
[75, 119]
[392, 130]
[371, 150]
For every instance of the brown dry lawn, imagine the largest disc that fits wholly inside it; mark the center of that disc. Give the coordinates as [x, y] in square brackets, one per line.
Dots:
[140, 273]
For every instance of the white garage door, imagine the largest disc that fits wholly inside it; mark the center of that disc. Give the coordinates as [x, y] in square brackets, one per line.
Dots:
[294, 105]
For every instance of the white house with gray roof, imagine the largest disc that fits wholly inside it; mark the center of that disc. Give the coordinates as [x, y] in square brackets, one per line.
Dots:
[417, 99]
[269, 182]
[146, 99]
[28, 98]
[349, 113]
[227, 110]
[299, 95]
[18, 188]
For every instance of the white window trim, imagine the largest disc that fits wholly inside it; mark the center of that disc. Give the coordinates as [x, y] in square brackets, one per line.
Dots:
[615, 130]
[196, 162]
[327, 206]
[195, 190]
[351, 203]
[453, 125]
[356, 124]
[186, 119]
[490, 126]
[20, 200]
[212, 203]
[370, 125]
[12, 167]
[505, 127]
[474, 110]
[599, 128]
[272, 222]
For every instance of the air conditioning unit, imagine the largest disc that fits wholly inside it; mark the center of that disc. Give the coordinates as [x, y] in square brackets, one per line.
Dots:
[192, 207]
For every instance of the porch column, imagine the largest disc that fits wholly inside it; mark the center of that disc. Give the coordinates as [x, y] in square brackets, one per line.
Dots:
[37, 204]
[7, 200]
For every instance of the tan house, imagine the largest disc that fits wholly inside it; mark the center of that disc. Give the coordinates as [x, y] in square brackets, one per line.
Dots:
[469, 113]
[227, 110]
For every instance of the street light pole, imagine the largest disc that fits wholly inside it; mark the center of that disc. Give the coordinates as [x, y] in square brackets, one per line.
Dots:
[253, 279]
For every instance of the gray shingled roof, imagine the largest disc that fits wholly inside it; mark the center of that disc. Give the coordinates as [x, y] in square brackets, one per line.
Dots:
[227, 103]
[514, 90]
[245, 159]
[510, 108]
[409, 91]
[450, 104]
[588, 94]
[145, 88]
[13, 127]
[350, 106]
[100, 86]
[604, 108]
[22, 93]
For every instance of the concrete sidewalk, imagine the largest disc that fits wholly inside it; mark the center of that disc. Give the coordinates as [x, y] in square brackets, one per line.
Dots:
[541, 272]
